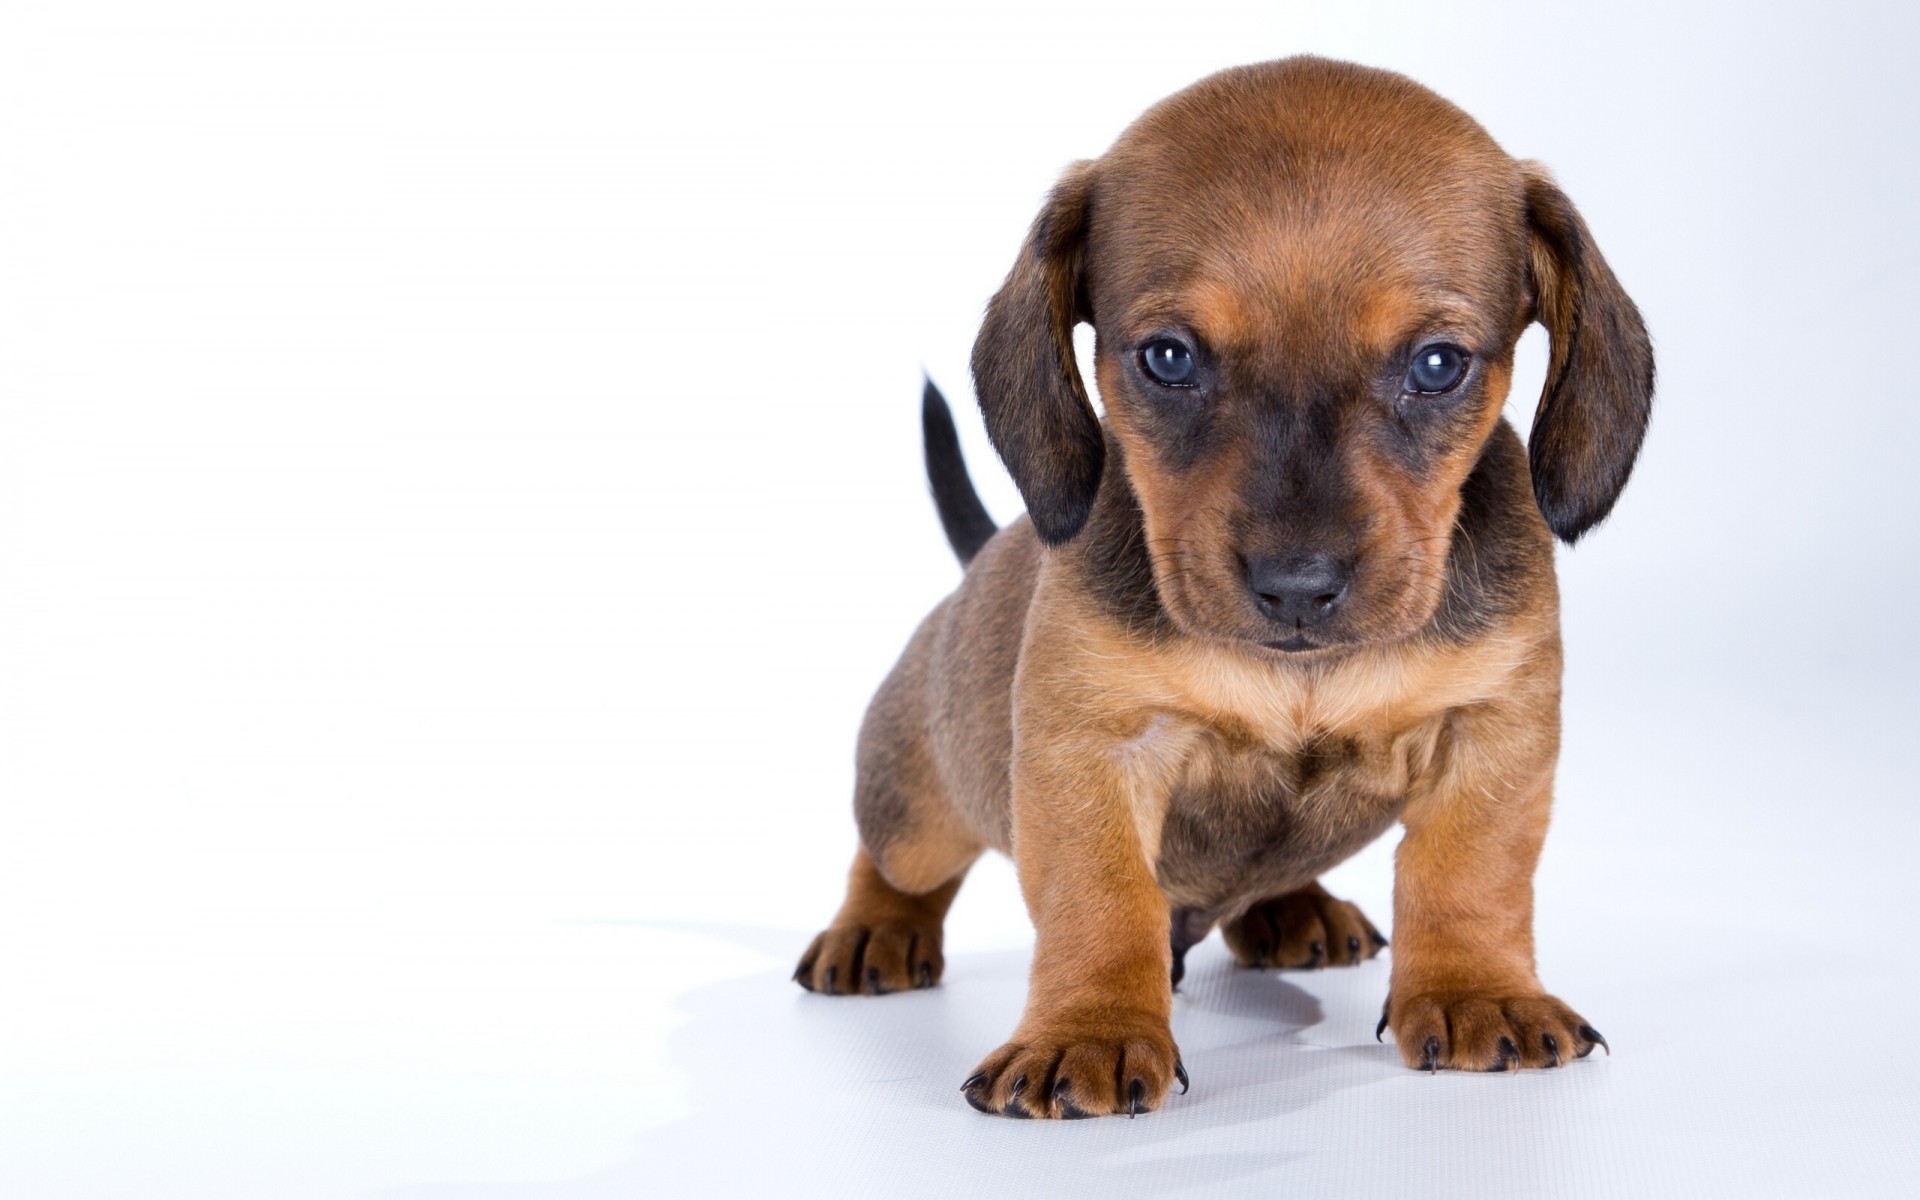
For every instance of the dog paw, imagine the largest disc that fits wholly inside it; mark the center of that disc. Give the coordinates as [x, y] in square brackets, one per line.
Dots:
[871, 960]
[1305, 930]
[1069, 1072]
[1487, 1032]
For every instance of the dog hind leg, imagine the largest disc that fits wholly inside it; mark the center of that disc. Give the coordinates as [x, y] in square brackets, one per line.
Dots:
[914, 852]
[883, 939]
[914, 847]
[1189, 927]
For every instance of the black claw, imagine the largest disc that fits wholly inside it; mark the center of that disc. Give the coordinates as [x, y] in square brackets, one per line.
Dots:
[833, 975]
[1014, 1108]
[1353, 945]
[1063, 1100]
[1509, 1056]
[1179, 967]
[803, 975]
[926, 974]
[873, 981]
[1260, 956]
[1593, 1035]
[1379, 939]
[975, 1097]
[1180, 1073]
[1381, 1028]
[973, 1081]
[1432, 1060]
[1318, 951]
[1136, 1097]
[1552, 1047]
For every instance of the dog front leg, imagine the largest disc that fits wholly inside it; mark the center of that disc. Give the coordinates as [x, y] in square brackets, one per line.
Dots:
[1096, 1036]
[1464, 993]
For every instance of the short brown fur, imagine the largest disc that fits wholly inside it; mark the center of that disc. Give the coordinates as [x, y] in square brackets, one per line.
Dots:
[1110, 699]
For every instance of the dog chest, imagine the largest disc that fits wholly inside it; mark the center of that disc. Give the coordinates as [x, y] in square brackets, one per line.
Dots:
[1246, 821]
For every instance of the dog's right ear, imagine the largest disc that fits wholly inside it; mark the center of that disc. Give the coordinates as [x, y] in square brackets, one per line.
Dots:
[1030, 390]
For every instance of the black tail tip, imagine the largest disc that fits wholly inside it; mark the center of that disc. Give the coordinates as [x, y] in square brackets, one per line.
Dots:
[962, 515]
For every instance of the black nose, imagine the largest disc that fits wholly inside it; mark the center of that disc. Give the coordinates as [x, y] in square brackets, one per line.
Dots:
[1299, 589]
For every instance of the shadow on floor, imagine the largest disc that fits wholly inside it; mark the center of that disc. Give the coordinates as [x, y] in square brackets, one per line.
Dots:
[793, 1091]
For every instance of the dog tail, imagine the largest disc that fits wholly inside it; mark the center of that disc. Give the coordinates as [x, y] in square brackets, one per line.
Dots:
[961, 514]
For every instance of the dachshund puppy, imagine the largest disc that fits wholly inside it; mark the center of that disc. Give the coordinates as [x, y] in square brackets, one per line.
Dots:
[1296, 586]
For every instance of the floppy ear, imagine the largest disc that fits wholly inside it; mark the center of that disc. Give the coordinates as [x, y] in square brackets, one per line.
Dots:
[1030, 391]
[1599, 390]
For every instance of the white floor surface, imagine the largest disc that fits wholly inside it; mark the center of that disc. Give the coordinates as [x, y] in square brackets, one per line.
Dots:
[1744, 946]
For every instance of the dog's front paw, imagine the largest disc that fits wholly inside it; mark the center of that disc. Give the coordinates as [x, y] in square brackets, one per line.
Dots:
[1073, 1069]
[1475, 1031]
[1304, 929]
[872, 960]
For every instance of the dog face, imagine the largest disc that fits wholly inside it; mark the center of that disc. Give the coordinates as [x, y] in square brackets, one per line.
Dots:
[1306, 280]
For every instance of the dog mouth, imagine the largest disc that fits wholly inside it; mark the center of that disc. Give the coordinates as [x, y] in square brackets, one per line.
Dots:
[1293, 644]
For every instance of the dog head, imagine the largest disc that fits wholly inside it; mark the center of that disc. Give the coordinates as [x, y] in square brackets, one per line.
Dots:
[1306, 280]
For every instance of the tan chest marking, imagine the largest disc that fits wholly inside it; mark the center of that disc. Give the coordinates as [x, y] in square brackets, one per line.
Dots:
[1255, 754]
[1370, 694]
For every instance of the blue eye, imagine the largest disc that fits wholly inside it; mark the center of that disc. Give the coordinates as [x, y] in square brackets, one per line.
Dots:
[1167, 361]
[1436, 369]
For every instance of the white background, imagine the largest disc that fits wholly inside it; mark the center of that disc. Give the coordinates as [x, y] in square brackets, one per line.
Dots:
[459, 484]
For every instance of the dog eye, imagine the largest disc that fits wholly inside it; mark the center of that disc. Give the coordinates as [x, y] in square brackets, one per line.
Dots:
[1436, 369]
[1168, 362]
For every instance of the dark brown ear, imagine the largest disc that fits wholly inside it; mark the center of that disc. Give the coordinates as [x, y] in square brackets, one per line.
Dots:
[1599, 390]
[1030, 392]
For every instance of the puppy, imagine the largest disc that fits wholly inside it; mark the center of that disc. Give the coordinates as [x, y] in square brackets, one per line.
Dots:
[1296, 586]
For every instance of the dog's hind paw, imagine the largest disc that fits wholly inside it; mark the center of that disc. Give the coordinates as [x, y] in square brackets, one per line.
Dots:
[1303, 930]
[871, 960]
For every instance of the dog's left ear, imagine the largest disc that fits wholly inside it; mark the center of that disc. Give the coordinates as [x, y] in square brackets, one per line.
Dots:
[1030, 391]
[1593, 413]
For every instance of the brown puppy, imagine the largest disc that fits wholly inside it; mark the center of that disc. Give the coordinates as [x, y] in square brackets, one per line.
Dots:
[1297, 586]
